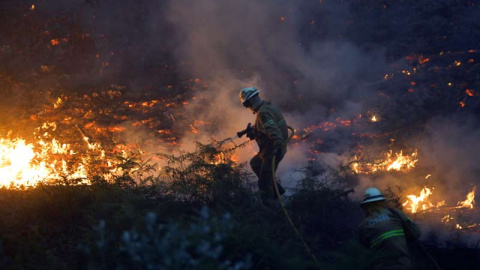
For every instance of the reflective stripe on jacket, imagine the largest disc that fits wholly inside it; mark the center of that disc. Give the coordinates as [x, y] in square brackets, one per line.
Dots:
[384, 233]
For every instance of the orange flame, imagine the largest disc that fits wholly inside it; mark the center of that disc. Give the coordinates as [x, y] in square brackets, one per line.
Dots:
[23, 165]
[415, 203]
[397, 162]
[469, 201]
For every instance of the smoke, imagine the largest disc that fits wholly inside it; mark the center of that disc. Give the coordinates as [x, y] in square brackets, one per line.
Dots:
[317, 60]
[262, 39]
[236, 44]
[452, 149]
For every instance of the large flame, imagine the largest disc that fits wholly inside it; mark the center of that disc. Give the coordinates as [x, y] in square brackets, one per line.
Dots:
[421, 203]
[23, 165]
[392, 162]
[415, 203]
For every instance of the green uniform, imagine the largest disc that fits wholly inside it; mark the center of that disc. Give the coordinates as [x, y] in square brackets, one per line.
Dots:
[270, 131]
[384, 233]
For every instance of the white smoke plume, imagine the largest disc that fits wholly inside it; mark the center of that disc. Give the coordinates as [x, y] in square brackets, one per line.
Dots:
[236, 44]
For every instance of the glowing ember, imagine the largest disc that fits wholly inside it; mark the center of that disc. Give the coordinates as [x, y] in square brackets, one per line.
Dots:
[470, 200]
[447, 219]
[423, 60]
[415, 203]
[471, 93]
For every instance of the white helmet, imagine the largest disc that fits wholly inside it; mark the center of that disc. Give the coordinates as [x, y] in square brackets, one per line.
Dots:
[248, 93]
[372, 195]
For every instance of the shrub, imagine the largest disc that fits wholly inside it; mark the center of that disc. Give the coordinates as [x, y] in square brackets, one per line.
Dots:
[166, 246]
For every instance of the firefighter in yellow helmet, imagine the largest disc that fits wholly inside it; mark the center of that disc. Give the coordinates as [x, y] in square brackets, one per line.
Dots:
[270, 132]
[387, 232]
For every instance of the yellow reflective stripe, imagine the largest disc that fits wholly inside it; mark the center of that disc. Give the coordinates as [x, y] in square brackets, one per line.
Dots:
[270, 122]
[386, 235]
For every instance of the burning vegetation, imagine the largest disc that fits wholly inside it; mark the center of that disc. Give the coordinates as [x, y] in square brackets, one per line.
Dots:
[96, 118]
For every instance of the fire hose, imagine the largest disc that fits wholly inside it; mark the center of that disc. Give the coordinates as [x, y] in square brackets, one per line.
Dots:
[283, 205]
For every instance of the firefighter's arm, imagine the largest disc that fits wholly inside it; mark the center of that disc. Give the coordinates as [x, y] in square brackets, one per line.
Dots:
[271, 129]
[414, 228]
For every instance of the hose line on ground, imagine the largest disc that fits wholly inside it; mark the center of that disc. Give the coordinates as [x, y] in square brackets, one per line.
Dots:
[285, 210]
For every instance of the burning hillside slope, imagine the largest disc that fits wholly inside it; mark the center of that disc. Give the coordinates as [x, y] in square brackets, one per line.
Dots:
[82, 95]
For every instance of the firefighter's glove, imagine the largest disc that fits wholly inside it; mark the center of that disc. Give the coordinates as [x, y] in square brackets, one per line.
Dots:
[251, 133]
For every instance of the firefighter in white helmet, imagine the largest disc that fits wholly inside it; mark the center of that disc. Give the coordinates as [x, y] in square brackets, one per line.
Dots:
[270, 132]
[387, 232]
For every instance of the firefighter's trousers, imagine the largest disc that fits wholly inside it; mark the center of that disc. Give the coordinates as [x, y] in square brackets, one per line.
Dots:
[261, 165]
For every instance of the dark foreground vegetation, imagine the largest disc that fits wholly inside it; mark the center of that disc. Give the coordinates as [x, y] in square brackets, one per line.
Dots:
[208, 217]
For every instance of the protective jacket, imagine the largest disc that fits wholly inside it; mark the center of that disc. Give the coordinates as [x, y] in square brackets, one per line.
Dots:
[383, 232]
[270, 127]
[270, 132]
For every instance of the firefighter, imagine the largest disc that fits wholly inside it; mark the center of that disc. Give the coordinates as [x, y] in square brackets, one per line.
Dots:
[387, 232]
[270, 132]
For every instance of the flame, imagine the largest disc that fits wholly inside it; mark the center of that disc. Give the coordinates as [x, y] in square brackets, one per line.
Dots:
[392, 162]
[374, 118]
[218, 158]
[401, 161]
[415, 203]
[22, 165]
[32, 7]
[469, 201]
[55, 42]
[57, 103]
[48, 160]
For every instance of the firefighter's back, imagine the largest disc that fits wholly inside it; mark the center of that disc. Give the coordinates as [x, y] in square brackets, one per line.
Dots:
[384, 233]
